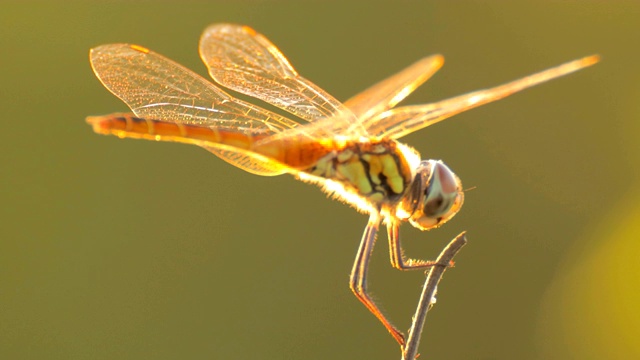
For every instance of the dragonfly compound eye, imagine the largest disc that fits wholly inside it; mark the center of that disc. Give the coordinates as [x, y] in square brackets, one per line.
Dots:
[440, 197]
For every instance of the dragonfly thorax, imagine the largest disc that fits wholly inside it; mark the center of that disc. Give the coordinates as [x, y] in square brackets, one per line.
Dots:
[373, 172]
[434, 196]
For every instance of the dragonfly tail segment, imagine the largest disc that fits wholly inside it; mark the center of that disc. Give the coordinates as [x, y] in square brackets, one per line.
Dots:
[257, 153]
[126, 125]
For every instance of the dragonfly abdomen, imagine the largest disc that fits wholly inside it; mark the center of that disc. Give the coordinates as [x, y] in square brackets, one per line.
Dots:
[376, 170]
[129, 126]
[296, 154]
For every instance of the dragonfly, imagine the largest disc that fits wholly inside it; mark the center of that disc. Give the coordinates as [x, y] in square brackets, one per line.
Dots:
[350, 150]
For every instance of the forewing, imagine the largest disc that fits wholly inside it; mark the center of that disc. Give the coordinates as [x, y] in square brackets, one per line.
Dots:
[242, 60]
[390, 91]
[157, 88]
[396, 123]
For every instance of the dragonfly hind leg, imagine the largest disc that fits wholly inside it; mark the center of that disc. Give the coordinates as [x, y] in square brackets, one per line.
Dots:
[358, 278]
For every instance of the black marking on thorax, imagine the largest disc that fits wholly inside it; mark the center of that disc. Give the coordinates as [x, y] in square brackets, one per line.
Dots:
[377, 171]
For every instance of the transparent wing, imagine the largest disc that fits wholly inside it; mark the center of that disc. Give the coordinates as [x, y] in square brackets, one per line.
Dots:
[157, 88]
[396, 123]
[390, 91]
[243, 60]
[249, 162]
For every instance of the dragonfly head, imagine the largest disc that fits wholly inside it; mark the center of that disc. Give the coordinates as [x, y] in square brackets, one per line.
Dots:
[434, 196]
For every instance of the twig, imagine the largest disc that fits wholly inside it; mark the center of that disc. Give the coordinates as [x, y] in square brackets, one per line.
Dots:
[428, 291]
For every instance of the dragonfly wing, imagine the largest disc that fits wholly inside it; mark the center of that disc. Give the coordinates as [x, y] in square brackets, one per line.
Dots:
[250, 162]
[243, 60]
[390, 91]
[396, 123]
[157, 88]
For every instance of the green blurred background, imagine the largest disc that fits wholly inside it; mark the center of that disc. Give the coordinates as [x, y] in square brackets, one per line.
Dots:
[124, 249]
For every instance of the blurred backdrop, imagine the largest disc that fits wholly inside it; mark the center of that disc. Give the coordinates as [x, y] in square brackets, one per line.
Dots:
[125, 249]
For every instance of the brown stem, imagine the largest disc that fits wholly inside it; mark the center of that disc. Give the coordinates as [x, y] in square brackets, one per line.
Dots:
[410, 350]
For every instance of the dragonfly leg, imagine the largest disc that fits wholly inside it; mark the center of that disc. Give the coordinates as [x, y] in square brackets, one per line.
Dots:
[358, 278]
[398, 260]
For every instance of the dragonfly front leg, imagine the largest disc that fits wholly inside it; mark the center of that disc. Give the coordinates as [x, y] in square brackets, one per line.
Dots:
[396, 253]
[358, 278]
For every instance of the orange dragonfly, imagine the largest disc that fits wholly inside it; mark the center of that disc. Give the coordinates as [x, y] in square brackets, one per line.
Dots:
[348, 149]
